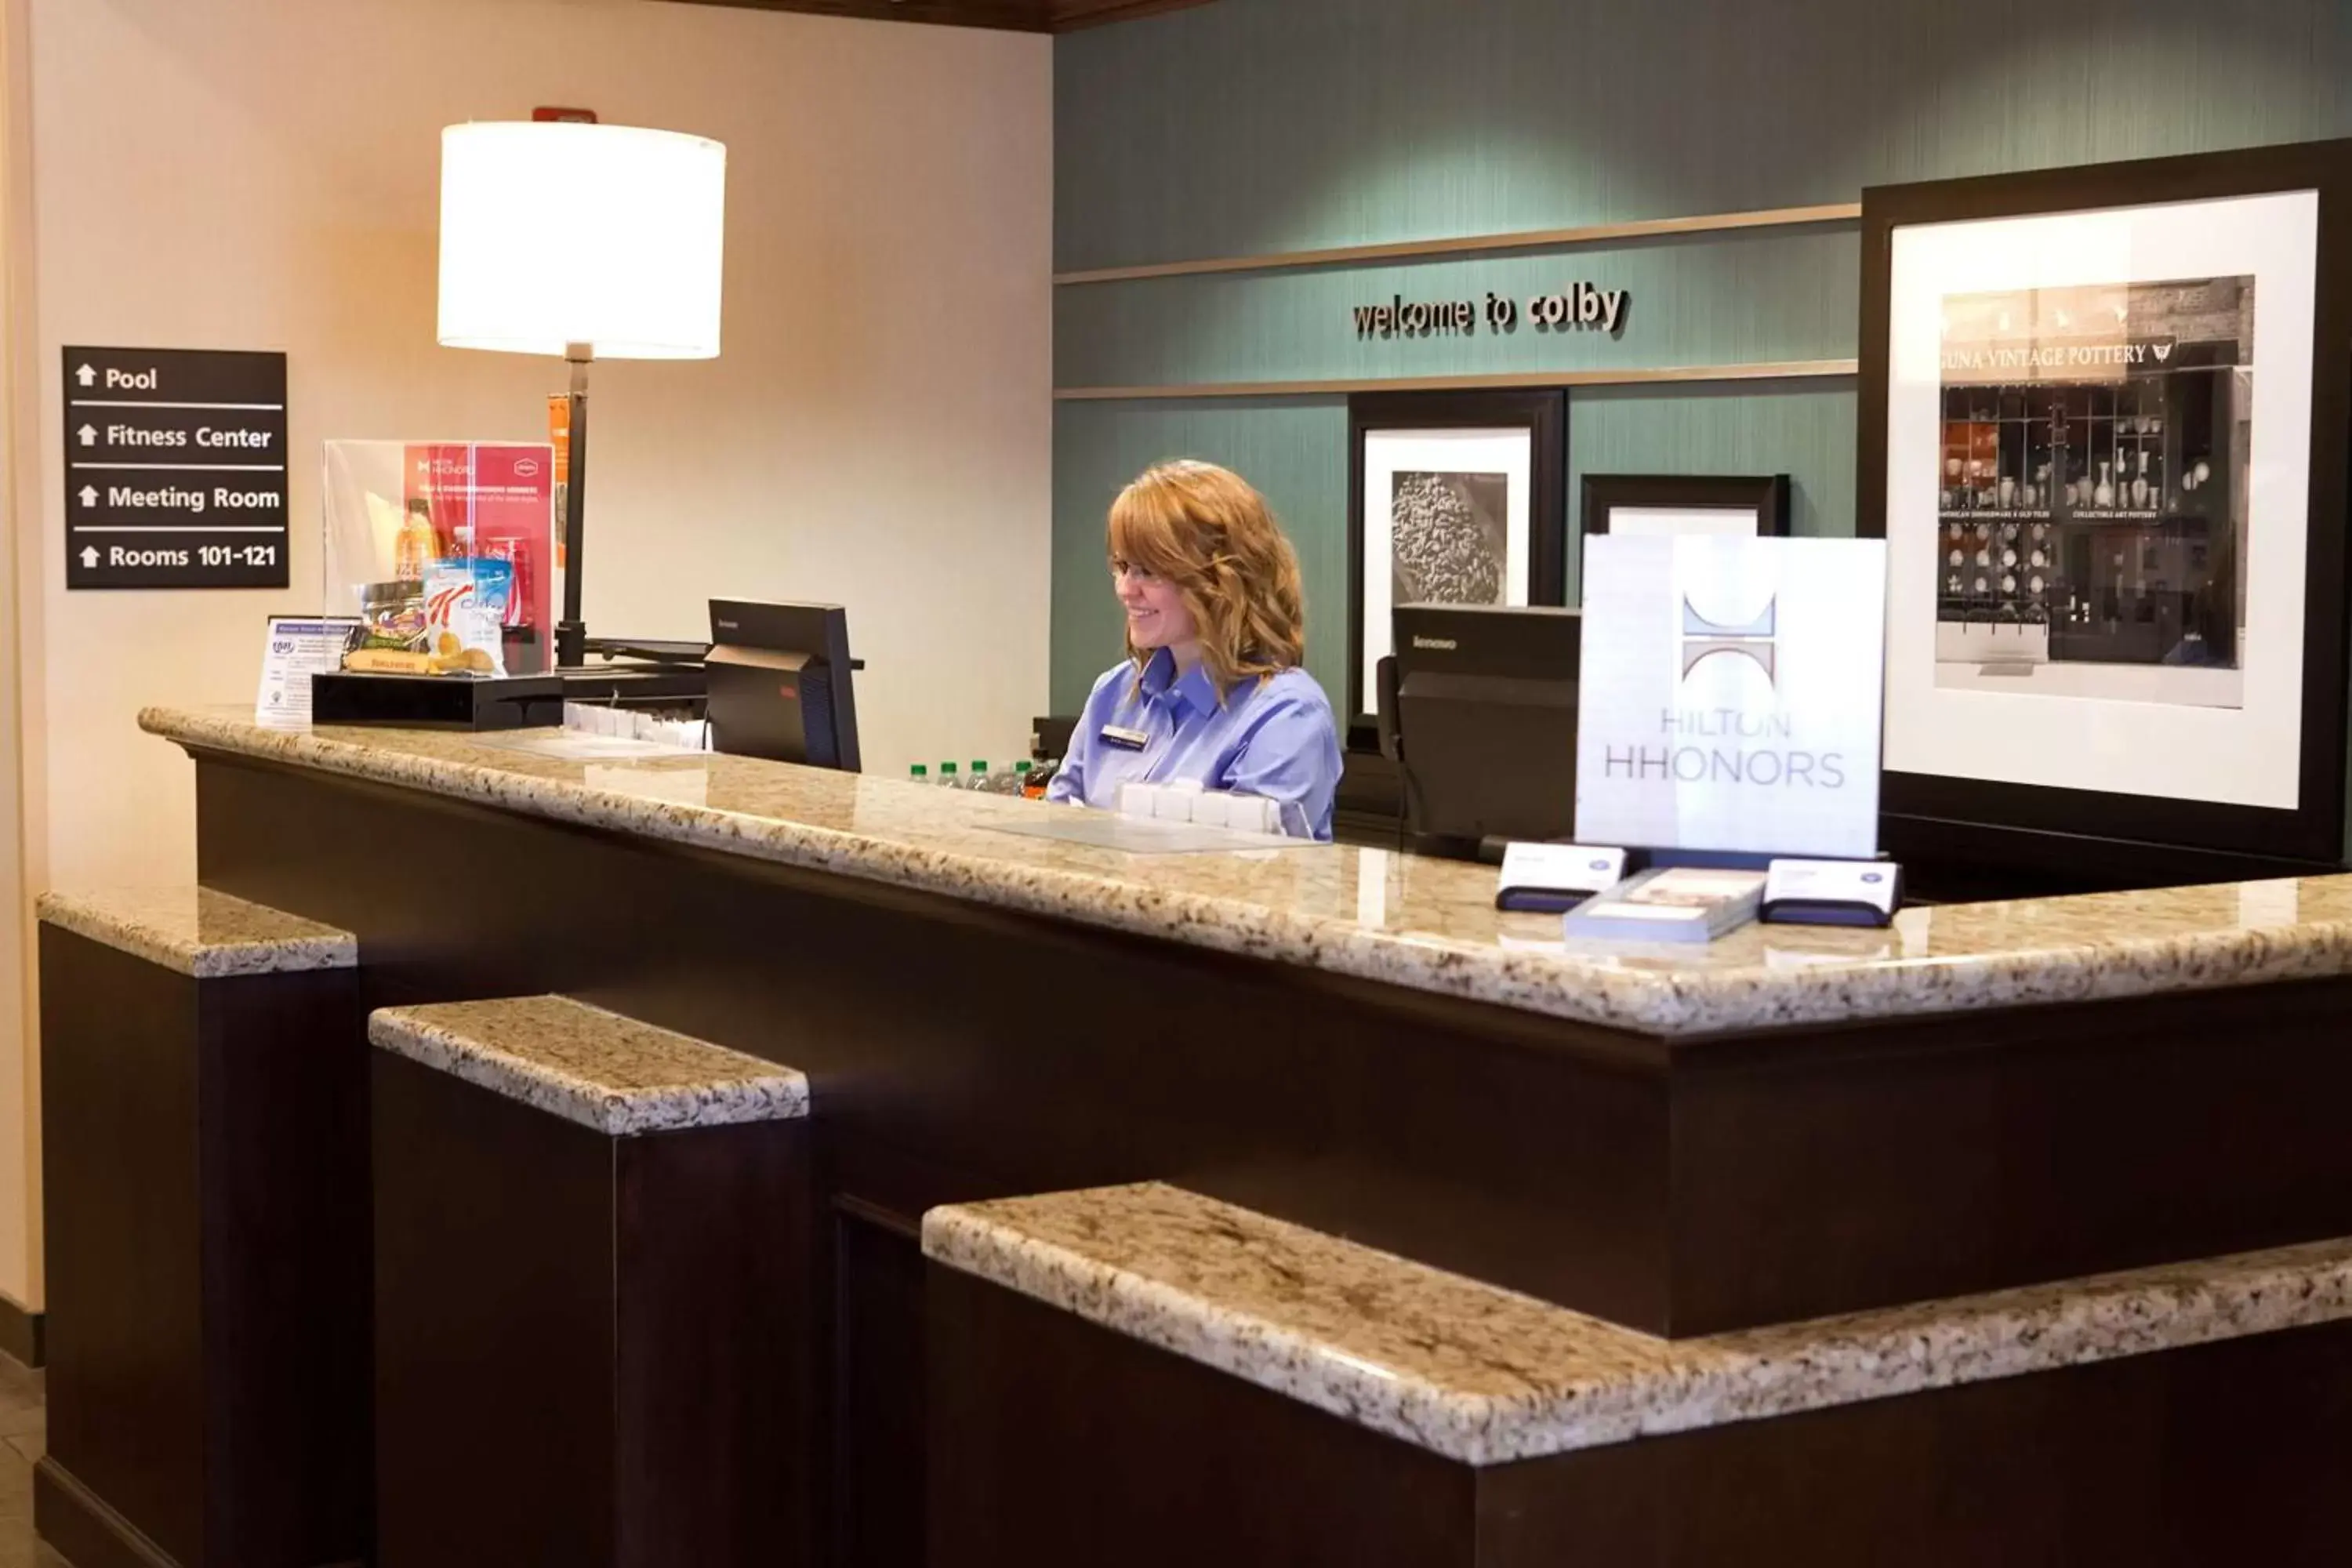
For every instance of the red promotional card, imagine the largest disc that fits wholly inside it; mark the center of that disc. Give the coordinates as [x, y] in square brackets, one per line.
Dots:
[494, 500]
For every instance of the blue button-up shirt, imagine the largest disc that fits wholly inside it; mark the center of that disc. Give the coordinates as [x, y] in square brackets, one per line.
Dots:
[1273, 737]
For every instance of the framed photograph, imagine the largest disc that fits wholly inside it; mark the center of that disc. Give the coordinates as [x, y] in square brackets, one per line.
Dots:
[1740, 506]
[2104, 423]
[1454, 498]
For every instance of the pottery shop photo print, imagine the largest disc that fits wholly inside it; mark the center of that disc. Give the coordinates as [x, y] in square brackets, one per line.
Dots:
[2092, 490]
[2101, 430]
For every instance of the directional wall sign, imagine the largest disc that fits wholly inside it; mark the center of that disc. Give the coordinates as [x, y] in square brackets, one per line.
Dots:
[175, 468]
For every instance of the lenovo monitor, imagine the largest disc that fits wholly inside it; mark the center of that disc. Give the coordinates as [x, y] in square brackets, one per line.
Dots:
[1478, 708]
[778, 683]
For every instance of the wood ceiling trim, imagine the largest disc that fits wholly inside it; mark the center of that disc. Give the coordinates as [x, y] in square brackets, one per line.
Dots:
[1019, 16]
[1004, 15]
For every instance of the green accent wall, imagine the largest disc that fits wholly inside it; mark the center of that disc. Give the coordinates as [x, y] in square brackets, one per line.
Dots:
[1249, 126]
[1712, 300]
[1254, 125]
[1801, 428]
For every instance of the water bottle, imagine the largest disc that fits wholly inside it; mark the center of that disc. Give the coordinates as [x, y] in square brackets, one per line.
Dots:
[1020, 784]
[978, 781]
[919, 774]
[948, 779]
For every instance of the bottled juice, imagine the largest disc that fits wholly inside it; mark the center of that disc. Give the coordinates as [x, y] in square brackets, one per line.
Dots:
[416, 547]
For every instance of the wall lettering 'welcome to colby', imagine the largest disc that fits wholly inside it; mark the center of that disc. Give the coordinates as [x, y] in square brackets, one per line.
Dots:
[1578, 306]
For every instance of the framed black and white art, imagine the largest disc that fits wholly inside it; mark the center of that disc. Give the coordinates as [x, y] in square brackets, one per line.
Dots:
[1743, 506]
[1454, 498]
[2103, 424]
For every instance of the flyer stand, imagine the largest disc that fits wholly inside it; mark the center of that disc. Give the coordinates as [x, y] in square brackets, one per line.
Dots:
[397, 510]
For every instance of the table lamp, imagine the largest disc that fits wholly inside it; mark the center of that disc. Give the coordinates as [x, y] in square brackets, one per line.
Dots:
[588, 241]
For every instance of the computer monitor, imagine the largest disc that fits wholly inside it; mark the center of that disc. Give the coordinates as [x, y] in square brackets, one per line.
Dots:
[778, 683]
[1477, 706]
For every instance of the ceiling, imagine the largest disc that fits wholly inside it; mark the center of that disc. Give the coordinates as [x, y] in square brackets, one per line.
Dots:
[1023, 15]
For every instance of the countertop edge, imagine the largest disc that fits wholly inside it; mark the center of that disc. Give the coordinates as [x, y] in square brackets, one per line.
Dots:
[781, 1094]
[1663, 1007]
[1753, 1374]
[1141, 1309]
[323, 948]
[1457, 973]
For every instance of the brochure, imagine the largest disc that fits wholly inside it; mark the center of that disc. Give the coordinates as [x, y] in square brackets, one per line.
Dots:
[1672, 903]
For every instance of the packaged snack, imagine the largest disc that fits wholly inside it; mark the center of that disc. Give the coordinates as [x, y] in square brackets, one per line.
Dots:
[513, 553]
[493, 584]
[465, 612]
[394, 614]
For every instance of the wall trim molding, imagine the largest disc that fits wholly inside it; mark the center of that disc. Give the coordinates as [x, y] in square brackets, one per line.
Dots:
[1016, 16]
[72, 1518]
[1474, 244]
[1762, 370]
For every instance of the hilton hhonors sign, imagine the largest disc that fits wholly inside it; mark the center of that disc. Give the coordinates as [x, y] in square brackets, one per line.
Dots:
[1730, 694]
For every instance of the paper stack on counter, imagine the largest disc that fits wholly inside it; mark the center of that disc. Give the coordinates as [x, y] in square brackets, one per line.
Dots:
[1672, 904]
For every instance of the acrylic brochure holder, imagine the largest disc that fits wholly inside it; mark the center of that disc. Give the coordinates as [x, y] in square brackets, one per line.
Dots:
[394, 509]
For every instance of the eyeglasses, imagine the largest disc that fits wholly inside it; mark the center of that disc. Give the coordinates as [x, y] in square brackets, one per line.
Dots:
[1142, 577]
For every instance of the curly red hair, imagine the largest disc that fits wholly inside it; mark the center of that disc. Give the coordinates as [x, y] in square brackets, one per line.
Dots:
[1207, 531]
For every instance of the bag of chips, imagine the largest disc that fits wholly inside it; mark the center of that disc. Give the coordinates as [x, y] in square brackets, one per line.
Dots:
[465, 614]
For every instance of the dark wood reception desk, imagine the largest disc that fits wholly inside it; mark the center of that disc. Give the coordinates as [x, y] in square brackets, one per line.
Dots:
[1786, 1124]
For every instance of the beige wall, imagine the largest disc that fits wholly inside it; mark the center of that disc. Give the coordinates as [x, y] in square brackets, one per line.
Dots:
[20, 1261]
[262, 174]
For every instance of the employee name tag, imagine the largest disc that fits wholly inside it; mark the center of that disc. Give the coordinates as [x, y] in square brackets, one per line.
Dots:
[1125, 740]
[1833, 892]
[1550, 878]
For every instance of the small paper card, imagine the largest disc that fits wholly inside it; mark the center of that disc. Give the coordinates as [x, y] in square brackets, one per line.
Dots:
[1551, 877]
[1832, 892]
[297, 647]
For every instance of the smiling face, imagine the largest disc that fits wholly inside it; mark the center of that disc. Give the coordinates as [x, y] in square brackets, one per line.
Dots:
[1157, 615]
[1200, 569]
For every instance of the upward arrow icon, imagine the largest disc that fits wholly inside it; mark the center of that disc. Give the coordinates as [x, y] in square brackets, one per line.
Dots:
[89, 495]
[89, 557]
[88, 436]
[86, 375]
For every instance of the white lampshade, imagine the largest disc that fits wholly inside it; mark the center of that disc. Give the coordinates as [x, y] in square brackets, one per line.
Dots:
[560, 233]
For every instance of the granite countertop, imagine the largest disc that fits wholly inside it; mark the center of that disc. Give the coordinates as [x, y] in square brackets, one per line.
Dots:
[199, 932]
[598, 1068]
[1483, 1375]
[1403, 920]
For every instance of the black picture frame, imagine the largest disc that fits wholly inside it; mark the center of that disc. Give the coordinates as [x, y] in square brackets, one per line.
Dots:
[1542, 413]
[1766, 495]
[2091, 838]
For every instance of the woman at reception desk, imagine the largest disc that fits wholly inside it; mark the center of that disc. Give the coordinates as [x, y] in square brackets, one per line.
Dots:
[1211, 691]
